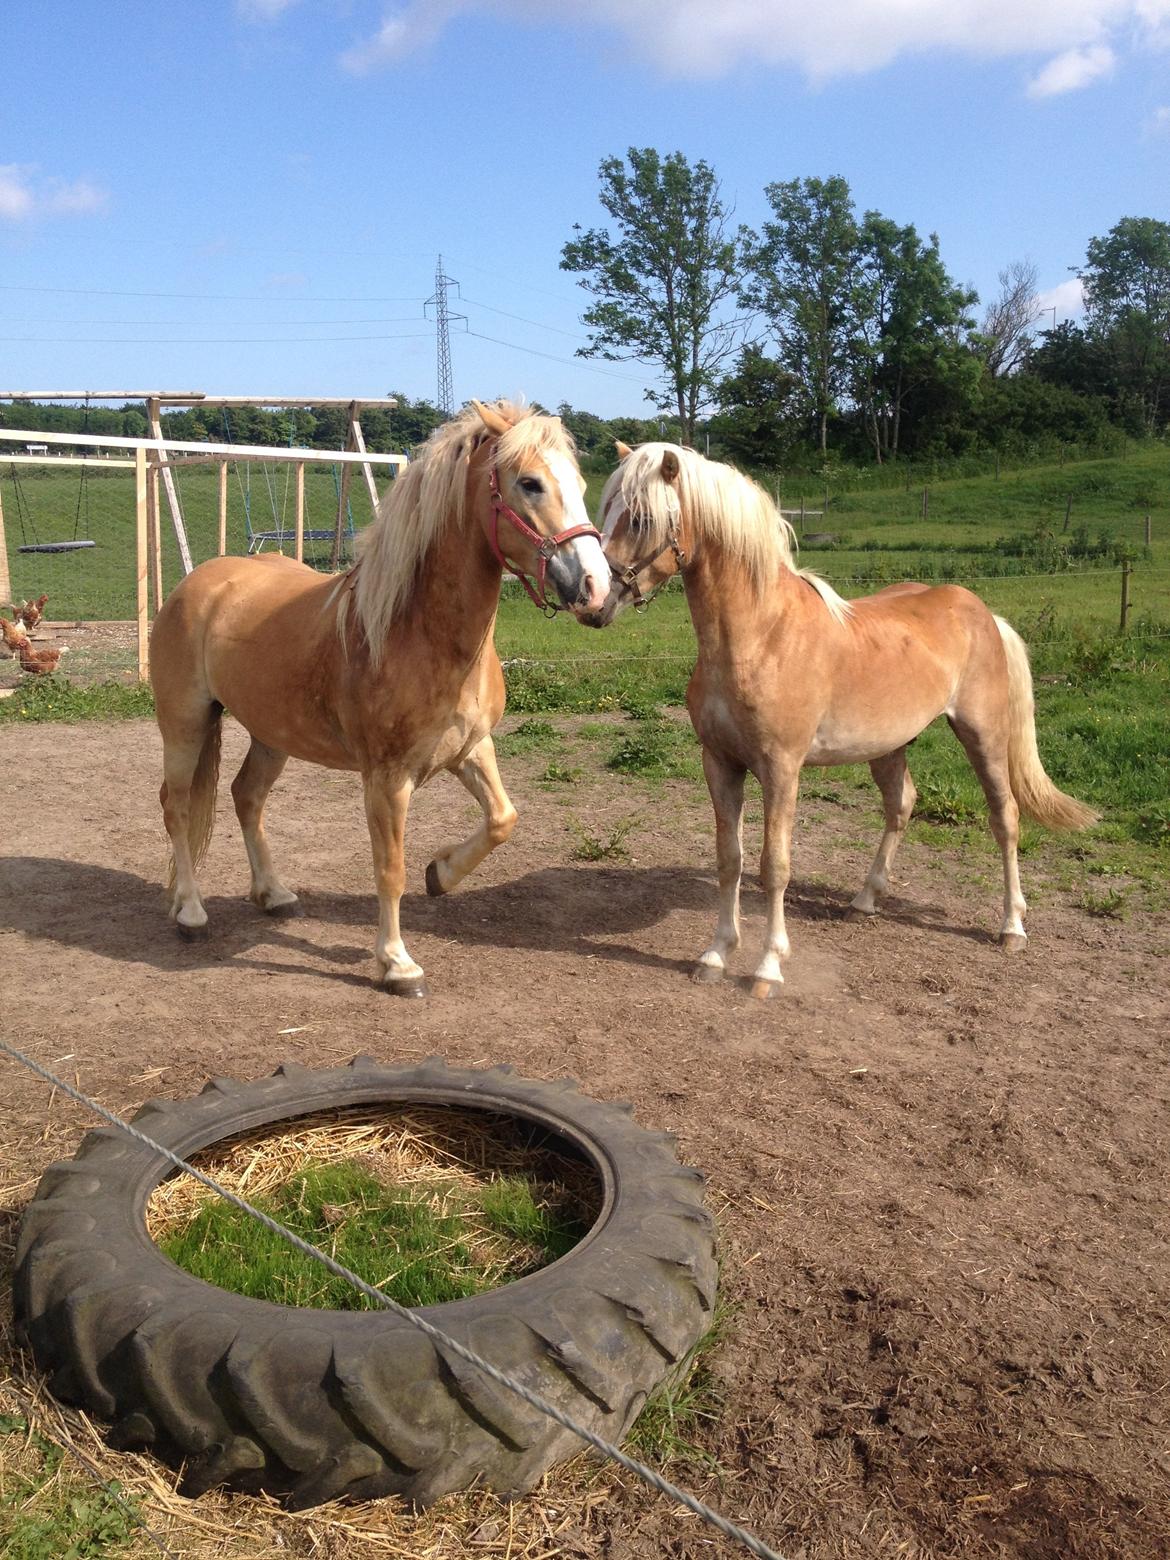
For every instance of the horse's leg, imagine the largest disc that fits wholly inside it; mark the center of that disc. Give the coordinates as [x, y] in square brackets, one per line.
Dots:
[387, 798]
[190, 767]
[892, 778]
[989, 759]
[725, 783]
[478, 772]
[258, 774]
[780, 782]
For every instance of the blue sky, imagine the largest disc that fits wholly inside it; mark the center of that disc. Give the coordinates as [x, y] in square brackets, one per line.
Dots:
[249, 196]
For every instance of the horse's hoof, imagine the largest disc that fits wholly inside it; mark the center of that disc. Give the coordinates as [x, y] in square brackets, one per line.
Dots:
[288, 911]
[707, 974]
[763, 990]
[434, 886]
[860, 917]
[192, 933]
[1013, 942]
[406, 985]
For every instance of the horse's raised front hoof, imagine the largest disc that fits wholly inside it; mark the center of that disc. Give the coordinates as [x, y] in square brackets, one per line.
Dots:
[405, 985]
[288, 911]
[434, 886]
[707, 974]
[764, 990]
[1013, 942]
[192, 934]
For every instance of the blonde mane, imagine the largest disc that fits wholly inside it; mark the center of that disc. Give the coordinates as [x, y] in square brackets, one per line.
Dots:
[429, 496]
[720, 504]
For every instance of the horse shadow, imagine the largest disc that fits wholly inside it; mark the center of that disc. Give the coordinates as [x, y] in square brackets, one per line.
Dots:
[584, 909]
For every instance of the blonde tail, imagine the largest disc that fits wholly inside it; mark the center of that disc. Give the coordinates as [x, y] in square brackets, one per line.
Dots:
[201, 804]
[1034, 792]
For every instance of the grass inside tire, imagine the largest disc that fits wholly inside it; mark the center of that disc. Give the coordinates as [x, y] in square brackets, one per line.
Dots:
[314, 1404]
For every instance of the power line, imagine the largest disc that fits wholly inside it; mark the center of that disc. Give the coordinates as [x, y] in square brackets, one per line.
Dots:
[553, 358]
[108, 292]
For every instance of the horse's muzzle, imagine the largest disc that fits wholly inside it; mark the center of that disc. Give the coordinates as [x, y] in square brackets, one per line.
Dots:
[580, 574]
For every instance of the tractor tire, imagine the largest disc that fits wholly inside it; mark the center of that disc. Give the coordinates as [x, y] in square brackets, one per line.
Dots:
[312, 1405]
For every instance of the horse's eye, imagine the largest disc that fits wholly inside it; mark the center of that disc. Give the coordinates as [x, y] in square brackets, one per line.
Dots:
[532, 485]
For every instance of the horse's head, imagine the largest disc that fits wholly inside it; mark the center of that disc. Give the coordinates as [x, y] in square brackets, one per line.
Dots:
[536, 521]
[640, 521]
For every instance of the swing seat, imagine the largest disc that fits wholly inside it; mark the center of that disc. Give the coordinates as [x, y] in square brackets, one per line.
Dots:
[54, 547]
[256, 539]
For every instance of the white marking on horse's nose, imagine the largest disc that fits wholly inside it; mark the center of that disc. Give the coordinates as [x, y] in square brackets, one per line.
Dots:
[594, 571]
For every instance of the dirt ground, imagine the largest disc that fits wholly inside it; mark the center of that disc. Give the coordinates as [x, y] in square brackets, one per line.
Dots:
[940, 1172]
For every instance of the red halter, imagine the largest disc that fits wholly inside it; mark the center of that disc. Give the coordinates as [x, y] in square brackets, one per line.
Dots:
[545, 546]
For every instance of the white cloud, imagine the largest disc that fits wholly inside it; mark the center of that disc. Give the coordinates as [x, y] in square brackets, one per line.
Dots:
[1072, 70]
[1067, 298]
[694, 38]
[1159, 122]
[263, 10]
[26, 194]
[404, 30]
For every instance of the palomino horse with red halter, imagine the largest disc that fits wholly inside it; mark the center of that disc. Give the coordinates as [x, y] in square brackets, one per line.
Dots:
[388, 670]
[789, 674]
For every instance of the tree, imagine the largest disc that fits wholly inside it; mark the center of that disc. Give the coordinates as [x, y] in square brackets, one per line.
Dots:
[662, 282]
[756, 410]
[908, 346]
[1007, 325]
[1126, 278]
[802, 265]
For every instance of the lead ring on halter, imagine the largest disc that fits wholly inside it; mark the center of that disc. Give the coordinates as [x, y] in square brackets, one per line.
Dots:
[628, 577]
[545, 546]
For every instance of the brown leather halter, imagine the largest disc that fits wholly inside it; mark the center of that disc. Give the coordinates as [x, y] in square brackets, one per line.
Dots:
[546, 546]
[628, 577]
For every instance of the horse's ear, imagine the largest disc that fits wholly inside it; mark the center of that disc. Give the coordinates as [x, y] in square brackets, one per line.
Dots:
[670, 466]
[623, 450]
[491, 418]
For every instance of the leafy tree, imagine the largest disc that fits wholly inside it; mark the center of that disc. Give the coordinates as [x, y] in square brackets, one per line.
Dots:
[802, 278]
[661, 282]
[908, 346]
[1126, 278]
[759, 404]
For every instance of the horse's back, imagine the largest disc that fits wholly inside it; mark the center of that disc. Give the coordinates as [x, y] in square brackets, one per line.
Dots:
[231, 615]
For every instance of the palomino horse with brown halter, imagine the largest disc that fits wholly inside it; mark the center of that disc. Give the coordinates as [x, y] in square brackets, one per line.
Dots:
[388, 670]
[789, 674]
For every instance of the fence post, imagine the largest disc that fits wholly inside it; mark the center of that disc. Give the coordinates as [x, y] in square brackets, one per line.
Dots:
[1126, 571]
[802, 514]
[6, 579]
[925, 502]
[1067, 510]
[1148, 531]
[300, 520]
[141, 549]
[223, 487]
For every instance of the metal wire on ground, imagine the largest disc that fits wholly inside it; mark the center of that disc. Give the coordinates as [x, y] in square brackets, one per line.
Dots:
[648, 1475]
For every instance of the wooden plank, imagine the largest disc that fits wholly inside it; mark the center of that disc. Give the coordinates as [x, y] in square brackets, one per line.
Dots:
[189, 396]
[357, 439]
[155, 544]
[5, 577]
[223, 487]
[140, 536]
[97, 463]
[300, 521]
[277, 401]
[152, 413]
[232, 451]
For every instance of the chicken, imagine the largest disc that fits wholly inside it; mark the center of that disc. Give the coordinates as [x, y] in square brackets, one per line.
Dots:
[14, 634]
[30, 612]
[38, 662]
